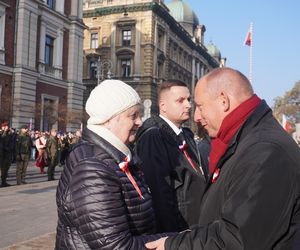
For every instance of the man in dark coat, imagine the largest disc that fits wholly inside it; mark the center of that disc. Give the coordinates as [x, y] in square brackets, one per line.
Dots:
[170, 160]
[252, 201]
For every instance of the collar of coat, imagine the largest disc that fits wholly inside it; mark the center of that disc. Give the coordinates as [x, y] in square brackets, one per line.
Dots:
[259, 113]
[111, 138]
[158, 122]
[88, 136]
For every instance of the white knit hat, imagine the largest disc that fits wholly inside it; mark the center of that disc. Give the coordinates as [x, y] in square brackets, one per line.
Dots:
[110, 98]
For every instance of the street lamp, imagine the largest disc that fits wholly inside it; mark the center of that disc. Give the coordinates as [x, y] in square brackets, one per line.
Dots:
[103, 70]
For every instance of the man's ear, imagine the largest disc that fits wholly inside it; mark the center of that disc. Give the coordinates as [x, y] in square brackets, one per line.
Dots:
[162, 106]
[225, 101]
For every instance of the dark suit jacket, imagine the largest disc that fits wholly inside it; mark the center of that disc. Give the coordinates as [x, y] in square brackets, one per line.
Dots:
[176, 187]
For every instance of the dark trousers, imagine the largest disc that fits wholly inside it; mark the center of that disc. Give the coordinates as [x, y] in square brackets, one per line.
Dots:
[22, 165]
[5, 164]
[51, 168]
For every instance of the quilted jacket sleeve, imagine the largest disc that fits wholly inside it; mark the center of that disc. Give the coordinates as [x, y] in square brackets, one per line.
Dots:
[96, 207]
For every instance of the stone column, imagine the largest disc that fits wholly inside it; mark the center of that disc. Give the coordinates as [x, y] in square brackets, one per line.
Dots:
[41, 62]
[80, 9]
[198, 70]
[58, 53]
[59, 6]
[74, 8]
[2, 35]
[113, 50]
[75, 87]
[193, 73]
[42, 41]
[155, 50]
[137, 55]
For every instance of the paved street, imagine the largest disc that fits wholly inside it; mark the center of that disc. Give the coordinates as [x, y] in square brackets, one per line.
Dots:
[33, 174]
[28, 214]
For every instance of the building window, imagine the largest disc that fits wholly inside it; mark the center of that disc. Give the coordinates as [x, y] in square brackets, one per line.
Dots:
[126, 37]
[49, 112]
[160, 69]
[126, 67]
[184, 60]
[180, 56]
[109, 1]
[93, 69]
[51, 3]
[49, 51]
[94, 40]
[175, 53]
[171, 50]
[160, 39]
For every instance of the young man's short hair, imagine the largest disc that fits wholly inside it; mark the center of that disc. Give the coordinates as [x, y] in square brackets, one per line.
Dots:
[168, 84]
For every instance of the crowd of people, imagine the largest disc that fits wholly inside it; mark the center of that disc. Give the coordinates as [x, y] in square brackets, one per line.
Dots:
[48, 149]
[128, 185]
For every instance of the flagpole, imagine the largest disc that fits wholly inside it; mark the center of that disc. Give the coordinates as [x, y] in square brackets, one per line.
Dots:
[250, 51]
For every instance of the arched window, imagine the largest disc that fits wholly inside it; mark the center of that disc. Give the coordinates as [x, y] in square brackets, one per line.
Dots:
[125, 62]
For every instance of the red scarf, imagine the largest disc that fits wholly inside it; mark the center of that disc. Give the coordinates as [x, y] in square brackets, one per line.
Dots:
[230, 125]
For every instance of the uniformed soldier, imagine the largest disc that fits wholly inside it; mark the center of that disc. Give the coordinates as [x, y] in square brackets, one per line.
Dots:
[52, 152]
[23, 151]
[6, 151]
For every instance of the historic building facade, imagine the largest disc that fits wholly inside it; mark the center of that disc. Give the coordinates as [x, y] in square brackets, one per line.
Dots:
[41, 55]
[144, 42]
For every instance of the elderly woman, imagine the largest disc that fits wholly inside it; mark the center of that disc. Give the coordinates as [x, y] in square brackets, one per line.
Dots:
[102, 199]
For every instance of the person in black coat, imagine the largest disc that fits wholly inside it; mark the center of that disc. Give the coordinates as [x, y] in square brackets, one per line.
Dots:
[170, 160]
[102, 199]
[252, 201]
[203, 145]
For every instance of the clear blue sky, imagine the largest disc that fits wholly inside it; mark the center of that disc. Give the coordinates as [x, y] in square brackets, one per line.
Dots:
[276, 39]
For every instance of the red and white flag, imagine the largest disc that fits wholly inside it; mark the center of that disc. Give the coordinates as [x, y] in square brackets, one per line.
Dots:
[285, 124]
[248, 39]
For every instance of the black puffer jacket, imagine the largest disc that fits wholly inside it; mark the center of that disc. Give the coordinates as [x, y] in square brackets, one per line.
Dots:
[98, 207]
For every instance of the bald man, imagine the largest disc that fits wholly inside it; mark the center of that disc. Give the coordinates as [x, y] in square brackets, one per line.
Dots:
[174, 172]
[252, 201]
